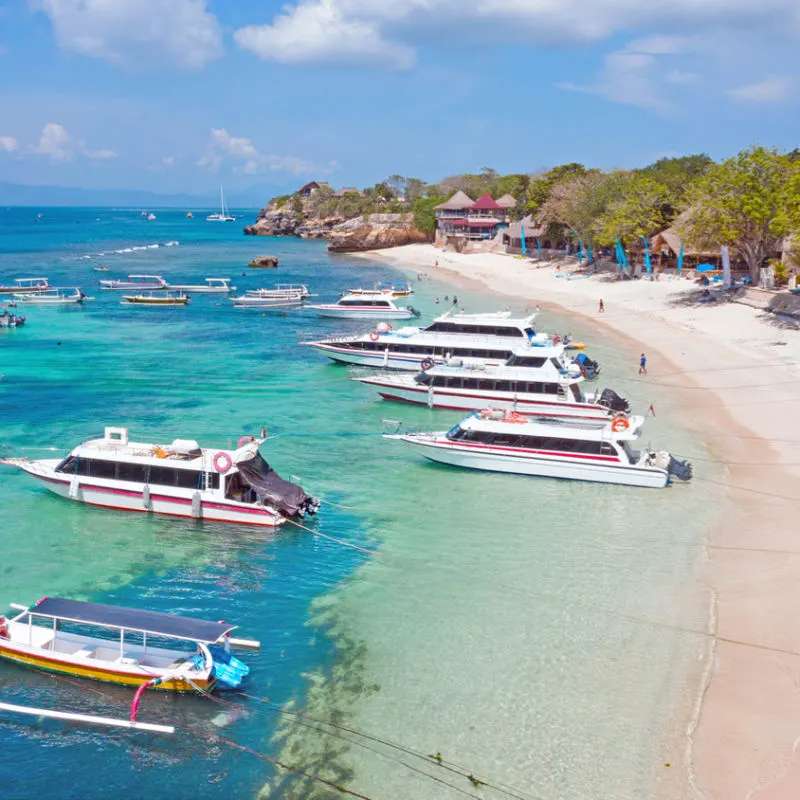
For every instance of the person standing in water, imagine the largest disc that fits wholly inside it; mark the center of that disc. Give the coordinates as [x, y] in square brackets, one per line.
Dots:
[643, 365]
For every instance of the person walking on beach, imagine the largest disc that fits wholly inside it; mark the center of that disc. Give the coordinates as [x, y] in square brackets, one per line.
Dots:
[643, 365]
[601, 308]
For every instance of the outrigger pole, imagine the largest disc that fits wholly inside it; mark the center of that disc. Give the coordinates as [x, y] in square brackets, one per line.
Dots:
[87, 718]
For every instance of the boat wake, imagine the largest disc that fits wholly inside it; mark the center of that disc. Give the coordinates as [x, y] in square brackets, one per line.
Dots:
[122, 251]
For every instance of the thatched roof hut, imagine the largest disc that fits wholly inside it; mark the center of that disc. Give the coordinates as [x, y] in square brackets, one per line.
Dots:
[506, 201]
[457, 202]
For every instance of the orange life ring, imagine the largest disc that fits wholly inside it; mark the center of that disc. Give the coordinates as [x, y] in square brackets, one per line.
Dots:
[619, 424]
[222, 462]
[3, 628]
[516, 417]
[426, 364]
[374, 335]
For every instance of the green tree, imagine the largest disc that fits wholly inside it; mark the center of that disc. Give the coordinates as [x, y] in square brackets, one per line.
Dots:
[748, 203]
[635, 208]
[424, 213]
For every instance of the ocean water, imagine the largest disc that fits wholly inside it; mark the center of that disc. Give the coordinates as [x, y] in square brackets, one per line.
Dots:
[538, 634]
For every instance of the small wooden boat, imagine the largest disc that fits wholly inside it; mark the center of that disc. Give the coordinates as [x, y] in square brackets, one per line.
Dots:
[151, 299]
[115, 644]
[211, 286]
[100, 269]
[24, 285]
[52, 297]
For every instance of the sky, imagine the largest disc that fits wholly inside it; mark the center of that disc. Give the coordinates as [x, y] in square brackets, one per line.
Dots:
[180, 95]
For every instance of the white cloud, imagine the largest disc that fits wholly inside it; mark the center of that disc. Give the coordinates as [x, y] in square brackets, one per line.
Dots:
[168, 161]
[774, 89]
[629, 79]
[138, 34]
[382, 32]
[8, 143]
[57, 146]
[679, 77]
[247, 159]
[54, 144]
[319, 32]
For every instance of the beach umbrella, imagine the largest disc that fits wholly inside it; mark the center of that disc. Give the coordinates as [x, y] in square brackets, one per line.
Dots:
[705, 268]
[647, 256]
[522, 240]
[680, 259]
[539, 247]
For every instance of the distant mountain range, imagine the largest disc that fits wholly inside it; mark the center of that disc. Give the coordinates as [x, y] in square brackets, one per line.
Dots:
[17, 194]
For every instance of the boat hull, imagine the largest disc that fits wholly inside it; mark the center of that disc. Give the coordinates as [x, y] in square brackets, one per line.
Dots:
[355, 313]
[119, 496]
[470, 456]
[410, 392]
[18, 655]
[382, 360]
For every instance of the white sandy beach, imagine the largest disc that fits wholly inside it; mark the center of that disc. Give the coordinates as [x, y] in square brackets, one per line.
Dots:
[738, 372]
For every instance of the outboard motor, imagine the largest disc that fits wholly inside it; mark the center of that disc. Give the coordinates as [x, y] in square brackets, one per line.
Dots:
[611, 400]
[679, 469]
[591, 368]
[414, 311]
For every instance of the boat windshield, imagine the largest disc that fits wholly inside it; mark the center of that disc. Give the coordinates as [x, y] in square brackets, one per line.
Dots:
[455, 432]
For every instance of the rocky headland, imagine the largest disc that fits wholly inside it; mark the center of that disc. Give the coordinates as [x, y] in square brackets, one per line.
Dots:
[346, 232]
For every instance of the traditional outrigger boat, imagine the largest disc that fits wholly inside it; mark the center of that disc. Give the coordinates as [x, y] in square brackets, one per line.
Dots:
[24, 285]
[211, 286]
[74, 637]
[136, 283]
[402, 289]
[151, 299]
[53, 297]
[8, 319]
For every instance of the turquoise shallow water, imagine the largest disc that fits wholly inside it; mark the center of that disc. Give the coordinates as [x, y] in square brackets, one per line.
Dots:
[500, 622]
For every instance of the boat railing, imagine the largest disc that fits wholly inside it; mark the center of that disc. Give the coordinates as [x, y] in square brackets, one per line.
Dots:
[458, 341]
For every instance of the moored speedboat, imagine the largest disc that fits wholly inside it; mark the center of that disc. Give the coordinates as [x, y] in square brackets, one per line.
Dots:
[582, 450]
[543, 382]
[10, 320]
[402, 289]
[166, 299]
[211, 286]
[181, 479]
[60, 635]
[136, 282]
[365, 306]
[491, 338]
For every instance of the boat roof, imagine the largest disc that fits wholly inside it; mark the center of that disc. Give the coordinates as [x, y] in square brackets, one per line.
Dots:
[565, 428]
[484, 318]
[29, 280]
[153, 277]
[156, 623]
[385, 296]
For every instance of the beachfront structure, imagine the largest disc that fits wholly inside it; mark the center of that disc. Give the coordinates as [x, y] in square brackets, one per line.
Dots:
[479, 221]
[312, 186]
[348, 190]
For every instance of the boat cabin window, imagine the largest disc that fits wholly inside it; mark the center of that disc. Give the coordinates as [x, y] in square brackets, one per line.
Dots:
[526, 361]
[422, 350]
[136, 473]
[446, 326]
[490, 384]
[542, 443]
[364, 302]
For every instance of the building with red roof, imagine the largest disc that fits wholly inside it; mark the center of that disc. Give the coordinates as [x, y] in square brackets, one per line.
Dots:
[461, 218]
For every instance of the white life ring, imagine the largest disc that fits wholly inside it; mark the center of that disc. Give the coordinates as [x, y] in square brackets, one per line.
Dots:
[222, 462]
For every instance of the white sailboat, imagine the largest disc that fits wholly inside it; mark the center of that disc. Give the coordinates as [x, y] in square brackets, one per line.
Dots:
[223, 215]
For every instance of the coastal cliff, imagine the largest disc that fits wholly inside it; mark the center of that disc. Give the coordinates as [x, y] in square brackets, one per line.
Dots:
[375, 232]
[344, 224]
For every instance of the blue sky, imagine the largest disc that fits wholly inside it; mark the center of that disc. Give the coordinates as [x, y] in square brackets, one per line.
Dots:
[178, 95]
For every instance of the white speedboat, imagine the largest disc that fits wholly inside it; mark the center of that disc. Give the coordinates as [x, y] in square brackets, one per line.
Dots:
[211, 286]
[52, 297]
[222, 215]
[135, 282]
[8, 319]
[580, 450]
[151, 217]
[547, 383]
[491, 338]
[378, 306]
[24, 285]
[180, 479]
[163, 300]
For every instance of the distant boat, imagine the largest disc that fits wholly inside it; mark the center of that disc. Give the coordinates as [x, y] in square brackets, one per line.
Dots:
[151, 217]
[189, 215]
[223, 215]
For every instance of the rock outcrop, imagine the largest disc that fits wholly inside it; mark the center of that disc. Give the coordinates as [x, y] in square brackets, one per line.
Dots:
[374, 232]
[264, 262]
[286, 220]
